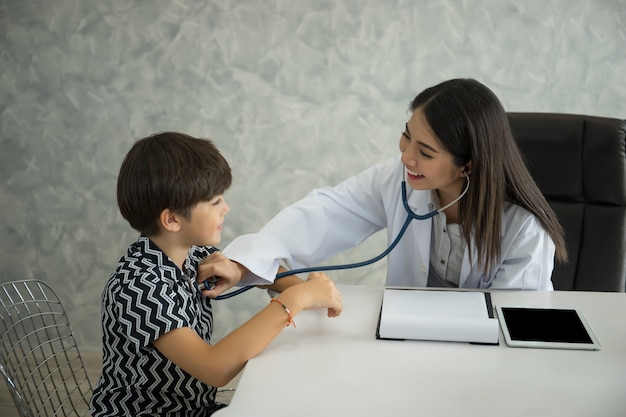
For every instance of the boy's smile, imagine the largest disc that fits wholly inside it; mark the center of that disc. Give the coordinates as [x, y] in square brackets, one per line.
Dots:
[206, 222]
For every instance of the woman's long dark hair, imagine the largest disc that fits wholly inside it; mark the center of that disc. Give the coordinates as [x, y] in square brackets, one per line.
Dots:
[472, 125]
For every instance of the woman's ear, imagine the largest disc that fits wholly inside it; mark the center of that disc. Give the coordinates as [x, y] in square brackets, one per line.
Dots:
[169, 221]
[467, 169]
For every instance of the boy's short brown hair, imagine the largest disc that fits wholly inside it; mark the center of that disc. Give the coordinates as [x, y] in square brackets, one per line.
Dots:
[168, 170]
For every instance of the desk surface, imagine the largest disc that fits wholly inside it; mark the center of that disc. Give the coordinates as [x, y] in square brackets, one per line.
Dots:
[336, 367]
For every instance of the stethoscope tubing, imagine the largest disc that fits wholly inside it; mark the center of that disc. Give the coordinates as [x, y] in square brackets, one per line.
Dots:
[410, 217]
[330, 267]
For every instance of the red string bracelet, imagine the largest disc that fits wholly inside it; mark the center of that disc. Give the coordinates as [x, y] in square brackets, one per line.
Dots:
[290, 322]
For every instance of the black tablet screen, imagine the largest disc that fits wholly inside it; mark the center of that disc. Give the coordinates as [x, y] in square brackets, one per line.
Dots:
[545, 325]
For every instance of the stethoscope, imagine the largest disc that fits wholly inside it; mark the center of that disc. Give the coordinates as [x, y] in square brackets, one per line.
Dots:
[210, 283]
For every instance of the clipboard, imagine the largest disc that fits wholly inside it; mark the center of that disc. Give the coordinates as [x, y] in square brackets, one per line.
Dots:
[437, 315]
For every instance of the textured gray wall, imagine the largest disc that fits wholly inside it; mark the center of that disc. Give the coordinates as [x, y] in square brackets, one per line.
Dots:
[296, 93]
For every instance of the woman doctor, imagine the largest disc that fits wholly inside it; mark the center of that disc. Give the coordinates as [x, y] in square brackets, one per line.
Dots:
[501, 234]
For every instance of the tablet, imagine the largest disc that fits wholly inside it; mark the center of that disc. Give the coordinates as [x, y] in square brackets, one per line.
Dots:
[552, 328]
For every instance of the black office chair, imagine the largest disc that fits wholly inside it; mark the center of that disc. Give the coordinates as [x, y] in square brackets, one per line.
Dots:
[579, 163]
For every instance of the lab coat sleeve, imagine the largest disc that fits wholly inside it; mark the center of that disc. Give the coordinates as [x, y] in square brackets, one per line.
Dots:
[260, 254]
[527, 255]
[323, 224]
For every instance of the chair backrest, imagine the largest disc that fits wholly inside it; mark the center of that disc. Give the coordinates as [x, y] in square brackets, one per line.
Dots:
[39, 358]
[579, 163]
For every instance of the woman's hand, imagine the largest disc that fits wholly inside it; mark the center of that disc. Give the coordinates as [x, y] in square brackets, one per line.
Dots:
[221, 272]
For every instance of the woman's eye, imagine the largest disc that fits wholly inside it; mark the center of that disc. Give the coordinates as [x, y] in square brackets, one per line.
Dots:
[217, 202]
[406, 135]
[425, 155]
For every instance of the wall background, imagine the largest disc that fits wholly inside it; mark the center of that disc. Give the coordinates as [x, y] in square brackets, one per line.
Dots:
[296, 93]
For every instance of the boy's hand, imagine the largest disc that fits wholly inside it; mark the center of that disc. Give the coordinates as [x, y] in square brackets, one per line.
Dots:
[330, 295]
[225, 272]
[318, 291]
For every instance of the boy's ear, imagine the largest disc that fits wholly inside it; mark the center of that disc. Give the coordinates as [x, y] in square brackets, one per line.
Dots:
[169, 220]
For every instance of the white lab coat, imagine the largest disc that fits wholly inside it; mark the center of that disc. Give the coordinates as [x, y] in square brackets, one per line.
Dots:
[332, 219]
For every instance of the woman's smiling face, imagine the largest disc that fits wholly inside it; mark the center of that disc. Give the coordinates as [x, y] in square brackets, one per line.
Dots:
[429, 166]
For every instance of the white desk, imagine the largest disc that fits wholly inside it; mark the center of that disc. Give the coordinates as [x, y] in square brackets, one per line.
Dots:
[336, 367]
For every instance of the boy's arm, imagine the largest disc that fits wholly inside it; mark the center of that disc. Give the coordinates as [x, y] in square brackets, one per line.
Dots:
[217, 364]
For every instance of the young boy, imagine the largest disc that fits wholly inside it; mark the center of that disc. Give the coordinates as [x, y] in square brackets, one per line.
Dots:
[157, 356]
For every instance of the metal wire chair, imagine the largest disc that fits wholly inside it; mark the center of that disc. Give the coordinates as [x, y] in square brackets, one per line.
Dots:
[39, 358]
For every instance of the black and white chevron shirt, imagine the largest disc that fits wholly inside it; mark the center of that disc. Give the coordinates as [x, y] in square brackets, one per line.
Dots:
[146, 297]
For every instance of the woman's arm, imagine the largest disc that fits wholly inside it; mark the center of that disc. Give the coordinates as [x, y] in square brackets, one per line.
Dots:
[527, 254]
[323, 224]
[283, 283]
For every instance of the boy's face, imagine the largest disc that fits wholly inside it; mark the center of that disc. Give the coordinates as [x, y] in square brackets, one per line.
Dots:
[205, 225]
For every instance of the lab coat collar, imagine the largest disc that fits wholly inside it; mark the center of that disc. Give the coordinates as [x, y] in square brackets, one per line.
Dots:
[466, 266]
[421, 203]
